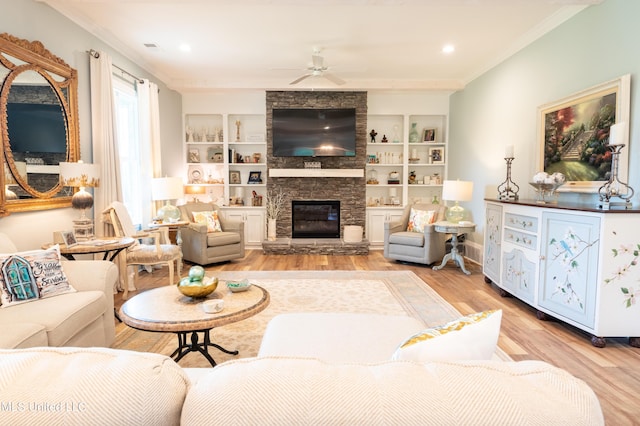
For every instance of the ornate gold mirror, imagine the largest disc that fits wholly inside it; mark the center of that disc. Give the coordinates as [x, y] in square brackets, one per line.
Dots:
[38, 125]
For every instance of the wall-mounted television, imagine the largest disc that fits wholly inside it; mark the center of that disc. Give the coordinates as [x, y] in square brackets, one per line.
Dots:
[329, 132]
[36, 128]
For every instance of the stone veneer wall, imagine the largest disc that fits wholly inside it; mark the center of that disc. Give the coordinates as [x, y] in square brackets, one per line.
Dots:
[350, 191]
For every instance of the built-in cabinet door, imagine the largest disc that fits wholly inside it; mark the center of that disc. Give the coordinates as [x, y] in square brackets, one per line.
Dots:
[254, 224]
[569, 266]
[376, 219]
[492, 242]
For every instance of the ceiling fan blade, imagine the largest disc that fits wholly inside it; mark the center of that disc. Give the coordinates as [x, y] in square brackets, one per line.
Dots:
[333, 78]
[299, 79]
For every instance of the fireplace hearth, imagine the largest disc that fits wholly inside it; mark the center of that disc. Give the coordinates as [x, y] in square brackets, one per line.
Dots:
[315, 219]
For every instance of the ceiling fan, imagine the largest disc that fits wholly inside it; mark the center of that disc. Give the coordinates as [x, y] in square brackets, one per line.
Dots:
[318, 69]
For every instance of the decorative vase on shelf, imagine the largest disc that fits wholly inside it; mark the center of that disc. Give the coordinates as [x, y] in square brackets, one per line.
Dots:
[413, 134]
[271, 229]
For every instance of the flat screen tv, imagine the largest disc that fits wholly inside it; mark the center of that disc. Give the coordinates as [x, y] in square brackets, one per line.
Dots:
[314, 132]
[36, 128]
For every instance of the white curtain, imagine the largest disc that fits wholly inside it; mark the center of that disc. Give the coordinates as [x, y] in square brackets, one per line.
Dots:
[149, 122]
[104, 137]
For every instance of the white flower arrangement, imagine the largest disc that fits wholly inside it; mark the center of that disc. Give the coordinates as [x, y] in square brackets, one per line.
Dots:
[275, 203]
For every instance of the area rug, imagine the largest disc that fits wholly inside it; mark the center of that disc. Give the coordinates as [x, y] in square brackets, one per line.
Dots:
[382, 292]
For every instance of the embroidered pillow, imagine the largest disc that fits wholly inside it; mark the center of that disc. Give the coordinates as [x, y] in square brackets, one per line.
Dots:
[210, 218]
[32, 275]
[418, 219]
[472, 337]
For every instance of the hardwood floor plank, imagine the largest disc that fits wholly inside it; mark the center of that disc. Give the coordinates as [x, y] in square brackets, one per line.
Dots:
[612, 372]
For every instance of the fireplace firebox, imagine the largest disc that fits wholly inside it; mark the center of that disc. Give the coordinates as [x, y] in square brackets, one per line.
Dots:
[315, 219]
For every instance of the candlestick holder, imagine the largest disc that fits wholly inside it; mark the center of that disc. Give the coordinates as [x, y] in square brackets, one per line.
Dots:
[508, 190]
[615, 187]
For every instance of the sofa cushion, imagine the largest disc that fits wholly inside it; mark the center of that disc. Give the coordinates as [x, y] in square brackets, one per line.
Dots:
[65, 316]
[84, 386]
[32, 275]
[337, 337]
[216, 239]
[210, 218]
[407, 238]
[418, 219]
[472, 337]
[22, 335]
[292, 391]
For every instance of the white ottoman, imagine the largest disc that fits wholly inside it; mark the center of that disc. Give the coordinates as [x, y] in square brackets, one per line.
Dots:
[337, 337]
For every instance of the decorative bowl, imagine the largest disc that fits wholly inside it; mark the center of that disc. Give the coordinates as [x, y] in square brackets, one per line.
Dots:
[236, 286]
[198, 289]
[546, 191]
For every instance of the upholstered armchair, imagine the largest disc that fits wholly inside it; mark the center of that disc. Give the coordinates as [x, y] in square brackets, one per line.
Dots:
[206, 242]
[410, 245]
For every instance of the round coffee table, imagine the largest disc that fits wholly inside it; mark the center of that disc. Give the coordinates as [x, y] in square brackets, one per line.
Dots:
[165, 309]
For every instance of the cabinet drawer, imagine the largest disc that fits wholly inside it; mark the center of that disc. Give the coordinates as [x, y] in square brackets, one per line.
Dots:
[519, 221]
[520, 238]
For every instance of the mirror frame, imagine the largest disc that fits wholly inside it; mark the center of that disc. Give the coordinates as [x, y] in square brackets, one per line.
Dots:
[37, 58]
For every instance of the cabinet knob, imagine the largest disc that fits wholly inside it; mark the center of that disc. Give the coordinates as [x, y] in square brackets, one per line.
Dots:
[542, 257]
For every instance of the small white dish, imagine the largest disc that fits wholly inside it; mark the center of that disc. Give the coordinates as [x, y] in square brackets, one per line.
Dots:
[236, 286]
[213, 306]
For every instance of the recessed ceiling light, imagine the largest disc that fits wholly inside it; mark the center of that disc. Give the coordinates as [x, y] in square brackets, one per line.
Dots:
[448, 48]
[185, 47]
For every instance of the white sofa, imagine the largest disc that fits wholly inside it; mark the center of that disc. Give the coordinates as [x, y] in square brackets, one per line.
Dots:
[83, 318]
[106, 386]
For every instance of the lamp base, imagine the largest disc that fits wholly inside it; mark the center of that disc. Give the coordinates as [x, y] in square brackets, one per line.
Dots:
[455, 214]
[169, 213]
[83, 229]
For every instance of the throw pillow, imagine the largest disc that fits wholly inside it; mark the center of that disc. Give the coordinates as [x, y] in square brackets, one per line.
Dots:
[472, 337]
[418, 219]
[32, 275]
[210, 218]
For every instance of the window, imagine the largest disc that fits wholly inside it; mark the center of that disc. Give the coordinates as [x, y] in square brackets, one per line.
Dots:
[135, 162]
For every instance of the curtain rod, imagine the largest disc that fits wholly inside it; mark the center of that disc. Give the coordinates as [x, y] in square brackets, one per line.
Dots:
[96, 55]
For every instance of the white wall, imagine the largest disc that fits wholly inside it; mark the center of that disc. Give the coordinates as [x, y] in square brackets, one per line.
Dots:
[32, 20]
[500, 107]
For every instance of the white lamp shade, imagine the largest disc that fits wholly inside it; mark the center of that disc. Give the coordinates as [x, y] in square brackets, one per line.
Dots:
[21, 167]
[79, 175]
[457, 190]
[166, 188]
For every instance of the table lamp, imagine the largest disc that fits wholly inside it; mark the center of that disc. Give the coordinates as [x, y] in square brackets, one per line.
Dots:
[81, 175]
[195, 190]
[10, 180]
[456, 190]
[166, 189]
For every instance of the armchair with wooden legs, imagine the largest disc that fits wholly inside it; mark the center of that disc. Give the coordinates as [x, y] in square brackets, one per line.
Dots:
[161, 252]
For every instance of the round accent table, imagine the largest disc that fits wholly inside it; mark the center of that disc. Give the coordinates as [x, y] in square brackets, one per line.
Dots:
[454, 229]
[166, 310]
[110, 247]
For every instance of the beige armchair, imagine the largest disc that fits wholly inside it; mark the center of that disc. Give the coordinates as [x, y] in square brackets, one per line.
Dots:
[419, 247]
[161, 252]
[202, 247]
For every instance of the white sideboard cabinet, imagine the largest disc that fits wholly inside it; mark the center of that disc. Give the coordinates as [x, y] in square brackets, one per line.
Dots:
[576, 263]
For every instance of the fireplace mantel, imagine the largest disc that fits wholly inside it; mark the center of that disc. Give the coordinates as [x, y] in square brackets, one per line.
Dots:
[316, 173]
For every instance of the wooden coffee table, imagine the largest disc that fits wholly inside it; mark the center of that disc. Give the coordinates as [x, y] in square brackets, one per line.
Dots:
[166, 310]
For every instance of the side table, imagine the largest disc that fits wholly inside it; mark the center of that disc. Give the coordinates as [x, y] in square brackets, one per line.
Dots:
[172, 227]
[110, 247]
[454, 229]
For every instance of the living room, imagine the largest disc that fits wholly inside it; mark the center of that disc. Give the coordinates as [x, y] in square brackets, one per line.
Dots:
[496, 109]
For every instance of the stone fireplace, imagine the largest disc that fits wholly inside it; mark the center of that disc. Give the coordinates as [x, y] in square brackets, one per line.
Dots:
[349, 191]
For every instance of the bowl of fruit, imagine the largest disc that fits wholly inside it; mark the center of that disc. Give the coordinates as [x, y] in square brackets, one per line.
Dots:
[197, 285]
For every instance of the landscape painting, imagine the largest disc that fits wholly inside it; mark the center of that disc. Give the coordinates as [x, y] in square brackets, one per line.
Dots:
[575, 134]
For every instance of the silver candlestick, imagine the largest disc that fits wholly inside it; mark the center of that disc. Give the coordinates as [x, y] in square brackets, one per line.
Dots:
[508, 190]
[615, 187]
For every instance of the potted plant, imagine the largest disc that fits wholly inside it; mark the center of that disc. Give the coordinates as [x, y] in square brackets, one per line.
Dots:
[275, 203]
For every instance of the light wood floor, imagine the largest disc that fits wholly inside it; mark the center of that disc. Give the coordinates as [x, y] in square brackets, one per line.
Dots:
[612, 372]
